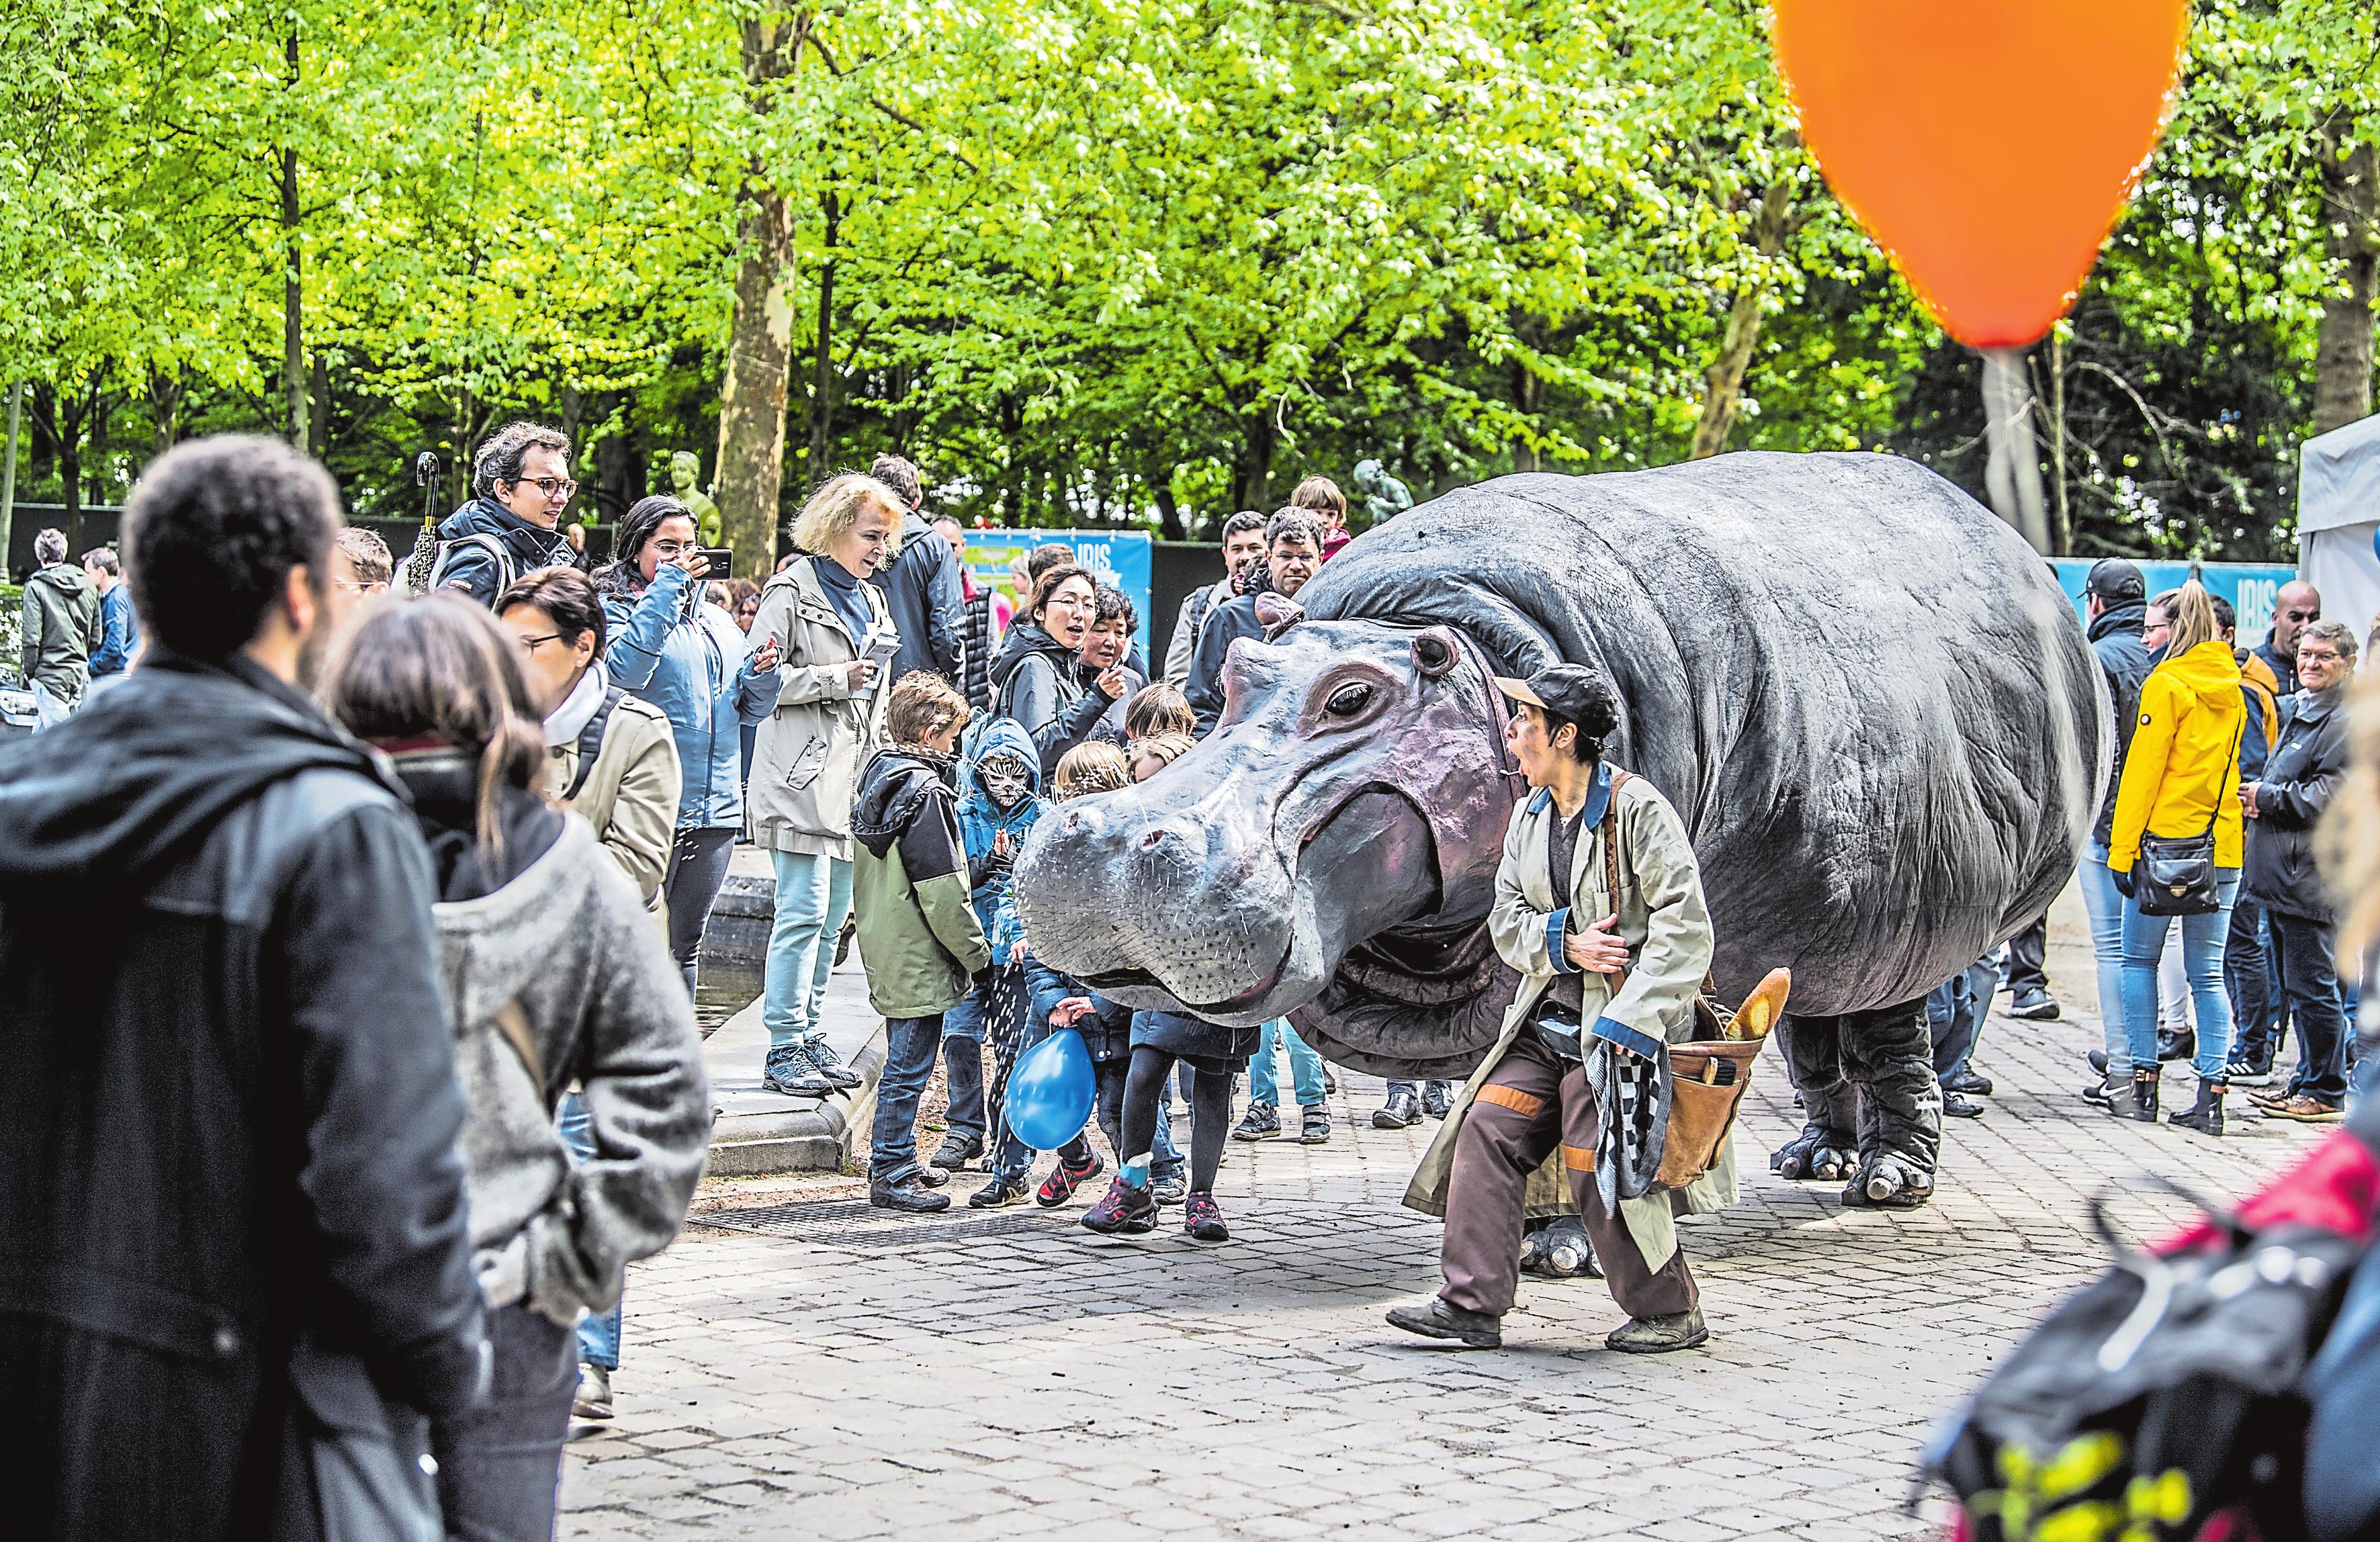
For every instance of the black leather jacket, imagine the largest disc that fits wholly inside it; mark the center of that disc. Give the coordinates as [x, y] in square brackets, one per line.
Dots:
[227, 1159]
[2295, 788]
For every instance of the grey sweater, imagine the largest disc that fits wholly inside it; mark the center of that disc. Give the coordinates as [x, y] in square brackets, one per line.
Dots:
[570, 945]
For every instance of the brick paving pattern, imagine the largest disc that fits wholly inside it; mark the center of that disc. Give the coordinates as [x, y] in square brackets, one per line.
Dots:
[821, 1370]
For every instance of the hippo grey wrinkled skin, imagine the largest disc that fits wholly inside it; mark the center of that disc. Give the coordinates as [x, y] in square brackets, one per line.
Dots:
[1868, 697]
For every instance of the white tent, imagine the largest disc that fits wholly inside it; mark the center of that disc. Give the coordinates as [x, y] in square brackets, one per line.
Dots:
[2339, 515]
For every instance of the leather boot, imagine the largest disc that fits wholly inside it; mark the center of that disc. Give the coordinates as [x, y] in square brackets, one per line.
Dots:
[2144, 1095]
[2206, 1116]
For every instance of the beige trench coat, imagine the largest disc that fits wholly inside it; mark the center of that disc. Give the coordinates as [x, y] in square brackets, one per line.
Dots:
[1668, 930]
[630, 795]
[807, 758]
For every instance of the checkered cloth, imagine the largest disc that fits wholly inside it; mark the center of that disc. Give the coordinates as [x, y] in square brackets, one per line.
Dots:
[1631, 1104]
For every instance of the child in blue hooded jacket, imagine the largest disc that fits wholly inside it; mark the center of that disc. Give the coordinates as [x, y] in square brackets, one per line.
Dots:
[1000, 796]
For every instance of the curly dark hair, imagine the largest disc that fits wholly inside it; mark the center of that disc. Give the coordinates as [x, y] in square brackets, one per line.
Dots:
[1114, 602]
[500, 453]
[211, 532]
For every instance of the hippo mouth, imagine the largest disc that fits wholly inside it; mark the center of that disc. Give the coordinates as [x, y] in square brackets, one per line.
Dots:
[1374, 847]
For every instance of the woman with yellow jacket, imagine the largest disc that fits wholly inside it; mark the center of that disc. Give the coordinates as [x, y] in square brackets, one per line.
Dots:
[2182, 776]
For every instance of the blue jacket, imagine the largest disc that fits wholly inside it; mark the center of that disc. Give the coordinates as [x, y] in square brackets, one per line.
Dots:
[981, 823]
[1107, 1032]
[689, 660]
[119, 633]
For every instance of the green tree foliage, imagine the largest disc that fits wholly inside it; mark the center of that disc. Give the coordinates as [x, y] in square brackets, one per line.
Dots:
[1111, 260]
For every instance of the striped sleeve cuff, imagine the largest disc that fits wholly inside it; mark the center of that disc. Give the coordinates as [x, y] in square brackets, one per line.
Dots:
[1556, 924]
[1619, 1033]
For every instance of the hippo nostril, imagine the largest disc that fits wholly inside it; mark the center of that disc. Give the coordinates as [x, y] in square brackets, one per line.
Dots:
[1151, 840]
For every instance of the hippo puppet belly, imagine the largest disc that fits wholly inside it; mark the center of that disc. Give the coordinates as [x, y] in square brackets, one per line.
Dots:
[1868, 699]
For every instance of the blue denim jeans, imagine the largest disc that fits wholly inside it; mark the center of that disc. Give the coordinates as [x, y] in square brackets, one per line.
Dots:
[599, 1337]
[813, 897]
[1305, 1068]
[500, 1461]
[2104, 902]
[2310, 983]
[2248, 976]
[2203, 938]
[1954, 1017]
[963, 1029]
[910, 1045]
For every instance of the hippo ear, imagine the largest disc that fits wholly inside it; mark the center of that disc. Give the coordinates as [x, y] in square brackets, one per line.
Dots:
[1434, 653]
[1278, 611]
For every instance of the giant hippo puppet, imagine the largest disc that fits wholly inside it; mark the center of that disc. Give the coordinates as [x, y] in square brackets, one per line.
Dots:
[1867, 696]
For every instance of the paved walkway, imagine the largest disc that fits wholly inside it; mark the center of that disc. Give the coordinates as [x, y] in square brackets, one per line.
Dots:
[815, 1368]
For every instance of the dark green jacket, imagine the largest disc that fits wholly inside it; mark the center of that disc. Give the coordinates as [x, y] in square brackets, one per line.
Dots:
[918, 935]
[61, 623]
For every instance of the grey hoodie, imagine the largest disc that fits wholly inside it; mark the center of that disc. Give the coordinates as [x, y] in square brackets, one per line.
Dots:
[568, 940]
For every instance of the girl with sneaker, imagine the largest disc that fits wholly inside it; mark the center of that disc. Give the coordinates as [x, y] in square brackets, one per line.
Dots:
[1214, 1051]
[1083, 770]
[1000, 798]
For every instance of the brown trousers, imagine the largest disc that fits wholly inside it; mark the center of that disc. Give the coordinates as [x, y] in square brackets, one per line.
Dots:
[1531, 1104]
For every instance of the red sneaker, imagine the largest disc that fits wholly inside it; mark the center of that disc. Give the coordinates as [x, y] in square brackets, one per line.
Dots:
[1060, 1186]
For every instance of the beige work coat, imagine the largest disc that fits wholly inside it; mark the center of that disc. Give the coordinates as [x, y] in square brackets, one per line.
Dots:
[807, 758]
[1668, 931]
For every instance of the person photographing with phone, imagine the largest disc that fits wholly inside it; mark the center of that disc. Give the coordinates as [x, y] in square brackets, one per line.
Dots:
[826, 718]
[691, 661]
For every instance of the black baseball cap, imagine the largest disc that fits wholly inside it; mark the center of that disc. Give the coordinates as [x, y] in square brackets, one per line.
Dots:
[1565, 692]
[2114, 579]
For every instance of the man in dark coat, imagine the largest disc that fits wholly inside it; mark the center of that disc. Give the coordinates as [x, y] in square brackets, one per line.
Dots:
[231, 1206]
[2284, 804]
[2297, 607]
[2114, 603]
[520, 482]
[921, 584]
[1293, 555]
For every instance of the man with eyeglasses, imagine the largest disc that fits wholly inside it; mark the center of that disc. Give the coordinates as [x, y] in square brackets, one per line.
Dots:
[521, 482]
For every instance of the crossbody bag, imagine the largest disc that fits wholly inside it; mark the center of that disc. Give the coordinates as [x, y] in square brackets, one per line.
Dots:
[2176, 873]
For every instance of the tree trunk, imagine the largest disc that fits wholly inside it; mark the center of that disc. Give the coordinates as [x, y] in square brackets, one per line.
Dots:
[293, 289]
[616, 486]
[752, 466]
[2351, 196]
[71, 470]
[1169, 513]
[2014, 474]
[822, 383]
[318, 407]
[8, 474]
[1252, 472]
[1724, 392]
[165, 392]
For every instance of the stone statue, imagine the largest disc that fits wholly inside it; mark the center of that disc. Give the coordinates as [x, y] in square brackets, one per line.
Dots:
[685, 470]
[1384, 496]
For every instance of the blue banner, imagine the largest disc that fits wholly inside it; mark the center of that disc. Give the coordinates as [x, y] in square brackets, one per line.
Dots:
[2252, 588]
[1117, 559]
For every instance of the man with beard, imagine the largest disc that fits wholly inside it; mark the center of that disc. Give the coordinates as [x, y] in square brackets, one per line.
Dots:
[232, 1226]
[1293, 555]
[1244, 543]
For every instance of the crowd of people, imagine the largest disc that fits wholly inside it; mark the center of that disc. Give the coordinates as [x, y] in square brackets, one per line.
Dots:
[2242, 750]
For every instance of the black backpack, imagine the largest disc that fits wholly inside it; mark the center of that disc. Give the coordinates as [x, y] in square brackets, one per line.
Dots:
[591, 741]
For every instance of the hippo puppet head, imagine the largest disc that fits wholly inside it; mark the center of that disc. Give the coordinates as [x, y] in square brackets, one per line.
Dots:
[1339, 829]
[1867, 698]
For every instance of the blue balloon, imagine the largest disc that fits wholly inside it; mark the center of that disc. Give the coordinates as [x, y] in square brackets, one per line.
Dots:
[1049, 1092]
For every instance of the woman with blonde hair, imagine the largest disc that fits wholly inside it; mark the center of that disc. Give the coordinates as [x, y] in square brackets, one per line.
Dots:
[829, 716]
[2181, 779]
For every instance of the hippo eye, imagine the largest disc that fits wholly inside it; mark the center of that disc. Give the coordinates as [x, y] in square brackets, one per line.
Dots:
[1348, 699]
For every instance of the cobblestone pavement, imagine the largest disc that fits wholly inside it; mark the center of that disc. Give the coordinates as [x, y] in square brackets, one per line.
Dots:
[819, 1370]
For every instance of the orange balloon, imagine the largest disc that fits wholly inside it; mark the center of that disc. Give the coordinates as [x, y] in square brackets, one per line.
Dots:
[1987, 145]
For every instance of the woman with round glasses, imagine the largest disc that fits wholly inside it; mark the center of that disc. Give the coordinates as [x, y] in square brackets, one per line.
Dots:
[689, 660]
